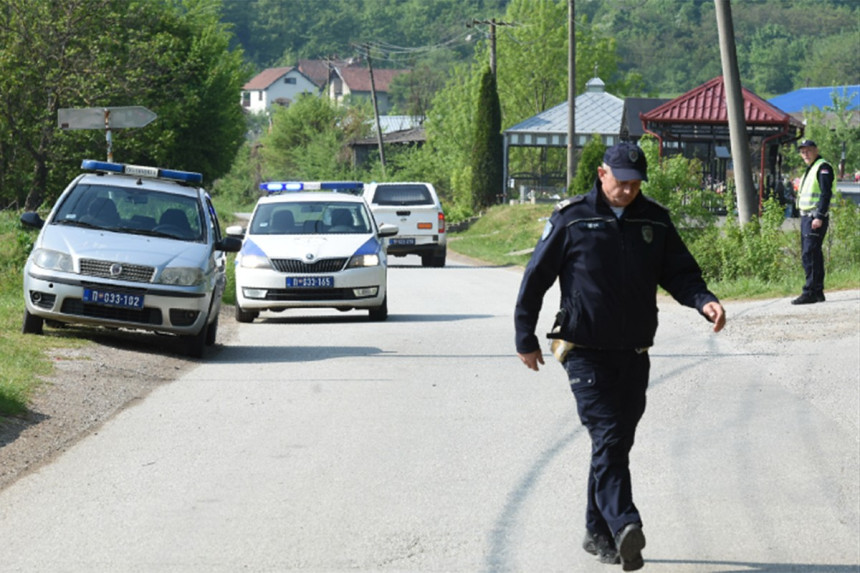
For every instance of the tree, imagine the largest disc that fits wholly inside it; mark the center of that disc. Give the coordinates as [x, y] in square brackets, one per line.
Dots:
[68, 38]
[171, 56]
[487, 145]
[586, 170]
[308, 140]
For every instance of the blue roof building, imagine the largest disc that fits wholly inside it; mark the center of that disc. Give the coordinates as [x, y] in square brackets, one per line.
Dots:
[799, 100]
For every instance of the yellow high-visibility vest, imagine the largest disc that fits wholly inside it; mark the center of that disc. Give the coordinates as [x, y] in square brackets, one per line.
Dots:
[810, 190]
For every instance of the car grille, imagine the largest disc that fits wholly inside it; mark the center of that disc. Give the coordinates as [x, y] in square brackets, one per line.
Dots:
[79, 308]
[298, 266]
[310, 294]
[102, 269]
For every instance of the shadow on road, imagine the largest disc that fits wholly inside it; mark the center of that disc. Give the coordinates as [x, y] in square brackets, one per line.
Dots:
[337, 319]
[741, 567]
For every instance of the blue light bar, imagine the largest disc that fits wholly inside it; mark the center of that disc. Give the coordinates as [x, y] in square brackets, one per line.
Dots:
[279, 186]
[142, 171]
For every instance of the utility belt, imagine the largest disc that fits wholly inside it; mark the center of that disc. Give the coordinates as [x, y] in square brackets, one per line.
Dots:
[561, 347]
[812, 213]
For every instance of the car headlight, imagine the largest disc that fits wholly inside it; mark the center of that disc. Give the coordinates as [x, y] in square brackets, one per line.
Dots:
[53, 260]
[363, 261]
[181, 276]
[254, 262]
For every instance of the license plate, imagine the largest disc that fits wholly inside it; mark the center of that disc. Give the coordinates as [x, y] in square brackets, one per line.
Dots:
[395, 241]
[310, 282]
[112, 298]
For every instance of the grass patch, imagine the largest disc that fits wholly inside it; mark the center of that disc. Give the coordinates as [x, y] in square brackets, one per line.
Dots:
[22, 359]
[505, 234]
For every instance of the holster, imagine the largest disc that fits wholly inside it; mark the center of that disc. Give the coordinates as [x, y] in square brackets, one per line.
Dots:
[559, 346]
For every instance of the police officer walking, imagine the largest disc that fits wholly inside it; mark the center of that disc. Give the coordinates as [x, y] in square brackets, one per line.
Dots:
[813, 201]
[609, 249]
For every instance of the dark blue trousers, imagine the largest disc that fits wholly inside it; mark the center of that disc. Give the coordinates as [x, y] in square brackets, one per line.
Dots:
[811, 241]
[609, 387]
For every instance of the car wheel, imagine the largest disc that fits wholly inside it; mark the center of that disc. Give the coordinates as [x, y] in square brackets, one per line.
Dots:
[439, 258]
[380, 313]
[212, 332]
[195, 344]
[245, 315]
[32, 324]
[426, 260]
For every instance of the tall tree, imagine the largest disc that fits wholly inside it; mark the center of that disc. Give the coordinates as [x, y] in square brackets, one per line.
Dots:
[487, 145]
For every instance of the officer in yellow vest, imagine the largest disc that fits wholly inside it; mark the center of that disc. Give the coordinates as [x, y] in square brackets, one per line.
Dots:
[813, 201]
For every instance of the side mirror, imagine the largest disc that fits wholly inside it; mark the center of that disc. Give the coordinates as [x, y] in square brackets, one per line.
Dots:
[229, 245]
[388, 230]
[32, 219]
[235, 231]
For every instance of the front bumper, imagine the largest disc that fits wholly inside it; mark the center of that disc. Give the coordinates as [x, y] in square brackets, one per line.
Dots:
[265, 289]
[174, 310]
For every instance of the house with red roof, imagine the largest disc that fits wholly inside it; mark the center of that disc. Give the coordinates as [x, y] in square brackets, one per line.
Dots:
[354, 82]
[338, 79]
[276, 86]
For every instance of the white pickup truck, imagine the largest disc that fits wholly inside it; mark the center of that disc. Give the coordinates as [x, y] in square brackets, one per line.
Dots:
[415, 209]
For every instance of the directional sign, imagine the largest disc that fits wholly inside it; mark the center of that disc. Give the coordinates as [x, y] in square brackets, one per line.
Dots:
[104, 117]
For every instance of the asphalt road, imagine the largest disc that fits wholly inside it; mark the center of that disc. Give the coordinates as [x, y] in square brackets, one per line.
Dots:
[322, 442]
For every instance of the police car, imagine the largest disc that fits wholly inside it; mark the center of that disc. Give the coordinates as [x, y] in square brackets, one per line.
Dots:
[311, 244]
[129, 246]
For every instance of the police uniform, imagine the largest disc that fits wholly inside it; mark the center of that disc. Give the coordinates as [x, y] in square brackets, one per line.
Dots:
[609, 269]
[813, 201]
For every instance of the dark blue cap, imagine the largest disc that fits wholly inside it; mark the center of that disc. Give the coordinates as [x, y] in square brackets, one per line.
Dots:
[627, 162]
[806, 143]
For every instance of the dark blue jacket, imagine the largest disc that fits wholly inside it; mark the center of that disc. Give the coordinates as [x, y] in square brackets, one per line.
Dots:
[609, 270]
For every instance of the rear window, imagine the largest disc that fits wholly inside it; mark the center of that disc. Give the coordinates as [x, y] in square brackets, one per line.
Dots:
[406, 194]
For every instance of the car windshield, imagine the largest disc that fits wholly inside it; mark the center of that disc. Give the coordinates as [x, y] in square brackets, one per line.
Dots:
[402, 195]
[132, 210]
[310, 218]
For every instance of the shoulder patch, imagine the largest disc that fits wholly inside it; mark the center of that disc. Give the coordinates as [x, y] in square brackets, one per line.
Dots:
[654, 202]
[562, 205]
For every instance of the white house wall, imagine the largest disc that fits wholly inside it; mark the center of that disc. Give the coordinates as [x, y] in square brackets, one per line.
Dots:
[261, 100]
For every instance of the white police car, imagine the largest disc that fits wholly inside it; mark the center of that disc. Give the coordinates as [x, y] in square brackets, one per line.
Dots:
[311, 244]
[128, 246]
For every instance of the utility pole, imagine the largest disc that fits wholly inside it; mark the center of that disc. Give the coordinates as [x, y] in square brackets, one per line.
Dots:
[735, 109]
[571, 93]
[492, 23]
[375, 110]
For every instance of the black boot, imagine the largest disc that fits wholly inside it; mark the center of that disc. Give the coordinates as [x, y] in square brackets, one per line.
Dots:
[630, 542]
[601, 545]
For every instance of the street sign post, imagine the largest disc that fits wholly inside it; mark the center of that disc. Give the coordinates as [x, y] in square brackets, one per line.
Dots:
[106, 118]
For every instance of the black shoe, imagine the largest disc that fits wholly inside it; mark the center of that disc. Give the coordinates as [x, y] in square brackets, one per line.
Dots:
[601, 545]
[808, 299]
[630, 542]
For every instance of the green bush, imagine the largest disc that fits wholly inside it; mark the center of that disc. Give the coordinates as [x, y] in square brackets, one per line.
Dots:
[586, 170]
[842, 242]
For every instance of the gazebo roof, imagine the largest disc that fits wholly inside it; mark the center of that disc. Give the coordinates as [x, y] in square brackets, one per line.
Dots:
[596, 112]
[702, 113]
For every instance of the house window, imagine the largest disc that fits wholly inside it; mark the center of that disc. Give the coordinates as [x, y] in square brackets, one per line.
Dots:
[246, 99]
[259, 96]
[290, 81]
